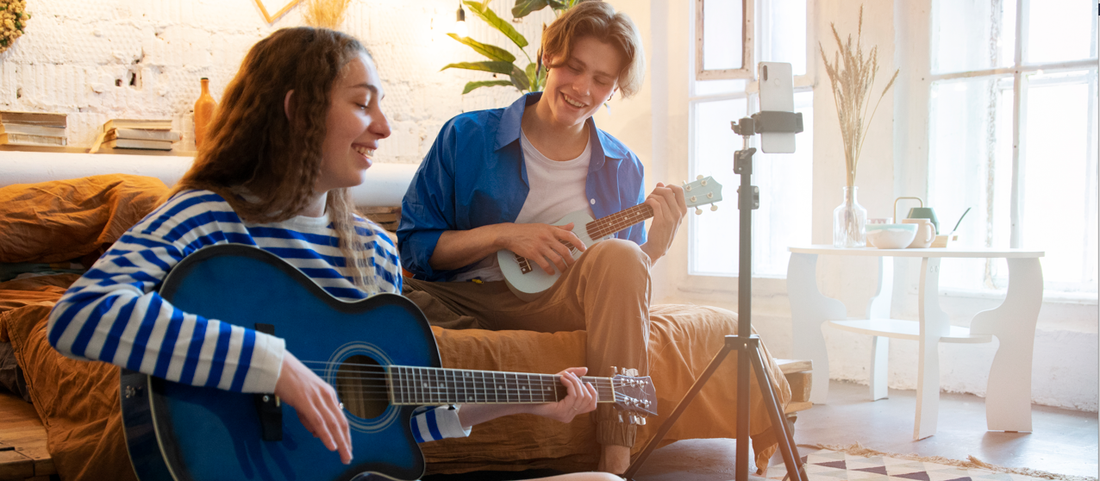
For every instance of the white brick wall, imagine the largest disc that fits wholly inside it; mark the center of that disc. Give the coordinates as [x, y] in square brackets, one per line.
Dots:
[100, 59]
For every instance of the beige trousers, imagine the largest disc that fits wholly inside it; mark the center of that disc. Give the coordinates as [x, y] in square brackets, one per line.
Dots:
[606, 293]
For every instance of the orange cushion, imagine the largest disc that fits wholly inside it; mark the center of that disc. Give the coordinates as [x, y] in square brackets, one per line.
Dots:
[67, 219]
[78, 401]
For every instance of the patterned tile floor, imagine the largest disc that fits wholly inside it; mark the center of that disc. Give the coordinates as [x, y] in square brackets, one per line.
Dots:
[826, 465]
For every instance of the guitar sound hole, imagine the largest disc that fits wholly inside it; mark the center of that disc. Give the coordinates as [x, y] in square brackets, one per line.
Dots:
[361, 385]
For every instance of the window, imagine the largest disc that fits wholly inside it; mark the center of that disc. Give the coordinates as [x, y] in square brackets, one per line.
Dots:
[1013, 136]
[779, 33]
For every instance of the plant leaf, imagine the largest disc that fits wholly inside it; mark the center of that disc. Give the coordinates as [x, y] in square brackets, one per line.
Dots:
[505, 68]
[532, 77]
[519, 79]
[490, 17]
[485, 83]
[492, 51]
[524, 8]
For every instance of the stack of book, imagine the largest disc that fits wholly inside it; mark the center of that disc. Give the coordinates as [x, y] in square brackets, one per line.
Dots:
[32, 129]
[134, 134]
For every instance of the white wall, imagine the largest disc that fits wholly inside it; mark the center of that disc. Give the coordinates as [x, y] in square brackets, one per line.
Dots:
[75, 52]
[80, 57]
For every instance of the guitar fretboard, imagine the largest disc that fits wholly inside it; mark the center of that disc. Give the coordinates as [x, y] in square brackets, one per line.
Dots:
[410, 385]
[618, 221]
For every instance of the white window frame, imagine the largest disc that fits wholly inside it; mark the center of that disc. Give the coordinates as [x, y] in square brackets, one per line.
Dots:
[685, 281]
[747, 48]
[1018, 71]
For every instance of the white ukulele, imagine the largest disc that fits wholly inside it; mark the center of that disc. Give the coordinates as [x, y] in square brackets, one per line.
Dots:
[528, 281]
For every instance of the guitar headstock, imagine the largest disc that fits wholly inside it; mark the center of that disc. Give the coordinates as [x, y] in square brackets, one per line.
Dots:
[635, 396]
[705, 190]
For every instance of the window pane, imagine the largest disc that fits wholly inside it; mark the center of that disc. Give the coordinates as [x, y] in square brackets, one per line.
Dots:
[1059, 174]
[970, 123]
[713, 243]
[786, 31]
[1061, 30]
[785, 182]
[972, 35]
[786, 187]
[722, 23]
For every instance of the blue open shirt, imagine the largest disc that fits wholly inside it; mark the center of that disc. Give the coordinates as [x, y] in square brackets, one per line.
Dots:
[475, 175]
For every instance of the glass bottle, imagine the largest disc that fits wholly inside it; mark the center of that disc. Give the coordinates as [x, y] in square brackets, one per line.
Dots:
[204, 111]
[849, 221]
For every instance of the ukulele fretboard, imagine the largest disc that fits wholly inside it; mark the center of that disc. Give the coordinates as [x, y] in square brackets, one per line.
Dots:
[618, 221]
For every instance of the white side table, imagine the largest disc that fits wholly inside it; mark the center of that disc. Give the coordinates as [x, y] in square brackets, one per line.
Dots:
[1008, 393]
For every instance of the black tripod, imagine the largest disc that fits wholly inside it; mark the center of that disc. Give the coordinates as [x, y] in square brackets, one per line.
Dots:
[745, 343]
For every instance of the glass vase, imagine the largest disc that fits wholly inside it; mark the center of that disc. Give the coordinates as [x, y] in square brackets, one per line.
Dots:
[849, 221]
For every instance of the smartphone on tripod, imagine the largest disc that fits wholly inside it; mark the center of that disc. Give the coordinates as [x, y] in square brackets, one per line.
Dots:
[776, 94]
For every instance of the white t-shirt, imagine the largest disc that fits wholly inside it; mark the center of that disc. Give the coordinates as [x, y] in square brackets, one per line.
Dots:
[557, 188]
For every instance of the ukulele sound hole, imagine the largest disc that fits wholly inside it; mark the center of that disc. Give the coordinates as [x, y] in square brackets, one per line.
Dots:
[361, 385]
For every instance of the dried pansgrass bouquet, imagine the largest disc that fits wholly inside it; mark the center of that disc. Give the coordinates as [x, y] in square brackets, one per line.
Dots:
[852, 77]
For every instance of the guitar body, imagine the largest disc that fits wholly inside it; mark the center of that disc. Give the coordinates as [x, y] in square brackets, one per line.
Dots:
[528, 281]
[182, 432]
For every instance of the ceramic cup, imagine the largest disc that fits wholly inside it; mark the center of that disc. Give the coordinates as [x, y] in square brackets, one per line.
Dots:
[926, 232]
[925, 213]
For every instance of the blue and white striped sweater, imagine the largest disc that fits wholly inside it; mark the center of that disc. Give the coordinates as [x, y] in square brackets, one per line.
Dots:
[113, 313]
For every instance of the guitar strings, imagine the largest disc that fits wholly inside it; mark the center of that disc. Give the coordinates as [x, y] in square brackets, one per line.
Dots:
[375, 371]
[384, 376]
[385, 394]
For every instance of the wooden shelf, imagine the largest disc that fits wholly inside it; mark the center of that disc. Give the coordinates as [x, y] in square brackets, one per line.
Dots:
[42, 148]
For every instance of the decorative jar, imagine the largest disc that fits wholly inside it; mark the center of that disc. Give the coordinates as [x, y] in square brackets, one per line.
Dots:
[849, 221]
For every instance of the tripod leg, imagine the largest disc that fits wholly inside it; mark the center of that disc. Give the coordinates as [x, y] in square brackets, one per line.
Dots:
[663, 430]
[787, 447]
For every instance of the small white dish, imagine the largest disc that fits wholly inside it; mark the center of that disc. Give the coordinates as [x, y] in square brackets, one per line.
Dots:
[891, 236]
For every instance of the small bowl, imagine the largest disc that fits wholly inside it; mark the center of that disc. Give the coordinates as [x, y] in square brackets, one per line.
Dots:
[891, 236]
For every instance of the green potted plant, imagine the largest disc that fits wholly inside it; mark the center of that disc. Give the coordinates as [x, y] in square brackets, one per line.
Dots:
[530, 78]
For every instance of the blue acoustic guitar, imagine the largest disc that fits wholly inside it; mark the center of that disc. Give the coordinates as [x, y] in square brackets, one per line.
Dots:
[378, 353]
[528, 281]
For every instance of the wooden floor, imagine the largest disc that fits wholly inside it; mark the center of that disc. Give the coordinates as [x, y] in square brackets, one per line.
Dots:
[23, 452]
[1063, 441]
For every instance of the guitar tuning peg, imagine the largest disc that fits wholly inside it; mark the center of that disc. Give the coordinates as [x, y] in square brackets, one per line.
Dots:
[698, 211]
[699, 177]
[703, 183]
[693, 199]
[713, 207]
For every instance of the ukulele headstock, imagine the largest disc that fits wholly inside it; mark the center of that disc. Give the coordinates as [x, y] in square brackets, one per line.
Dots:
[705, 190]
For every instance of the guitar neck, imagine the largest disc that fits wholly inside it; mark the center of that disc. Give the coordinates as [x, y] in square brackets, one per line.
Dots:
[411, 385]
[618, 221]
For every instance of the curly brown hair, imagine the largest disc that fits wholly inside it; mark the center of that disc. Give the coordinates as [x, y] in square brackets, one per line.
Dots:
[598, 20]
[275, 156]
